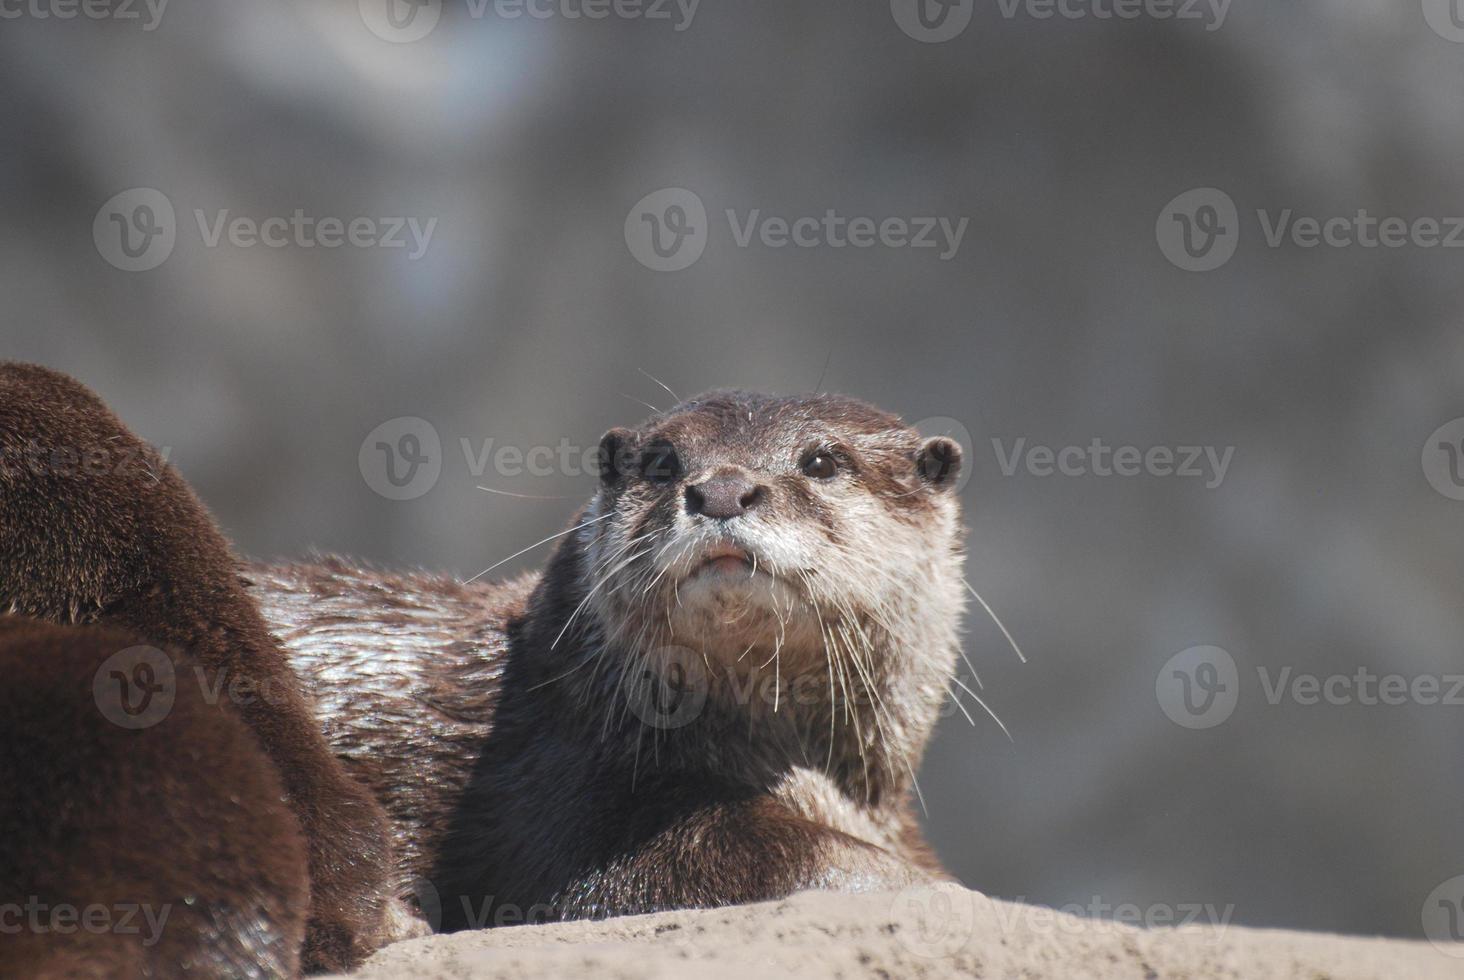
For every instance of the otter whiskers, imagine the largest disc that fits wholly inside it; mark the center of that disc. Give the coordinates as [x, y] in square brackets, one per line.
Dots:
[524, 551]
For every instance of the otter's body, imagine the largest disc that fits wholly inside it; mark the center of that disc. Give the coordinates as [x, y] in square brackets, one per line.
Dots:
[735, 718]
[717, 691]
[136, 843]
[97, 528]
[407, 671]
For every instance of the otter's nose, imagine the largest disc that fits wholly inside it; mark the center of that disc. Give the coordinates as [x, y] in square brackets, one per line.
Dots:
[723, 496]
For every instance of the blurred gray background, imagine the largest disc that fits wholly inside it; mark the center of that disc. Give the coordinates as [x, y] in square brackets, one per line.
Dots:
[1058, 321]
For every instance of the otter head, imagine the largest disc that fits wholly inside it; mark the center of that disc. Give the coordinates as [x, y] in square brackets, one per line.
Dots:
[808, 536]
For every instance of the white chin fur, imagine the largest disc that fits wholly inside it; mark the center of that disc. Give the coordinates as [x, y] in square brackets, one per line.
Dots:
[717, 592]
[716, 607]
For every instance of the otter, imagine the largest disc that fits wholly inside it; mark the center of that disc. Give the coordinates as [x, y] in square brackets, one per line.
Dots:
[140, 835]
[96, 528]
[716, 692]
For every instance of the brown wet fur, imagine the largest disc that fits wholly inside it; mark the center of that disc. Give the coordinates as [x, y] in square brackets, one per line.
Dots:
[495, 722]
[521, 787]
[96, 528]
[162, 851]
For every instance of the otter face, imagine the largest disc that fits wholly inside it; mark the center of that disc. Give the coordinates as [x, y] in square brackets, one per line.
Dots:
[744, 526]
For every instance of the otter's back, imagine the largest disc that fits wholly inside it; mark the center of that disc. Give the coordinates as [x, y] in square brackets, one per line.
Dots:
[405, 671]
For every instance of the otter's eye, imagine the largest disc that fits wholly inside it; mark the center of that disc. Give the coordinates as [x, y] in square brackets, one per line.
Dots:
[659, 463]
[821, 466]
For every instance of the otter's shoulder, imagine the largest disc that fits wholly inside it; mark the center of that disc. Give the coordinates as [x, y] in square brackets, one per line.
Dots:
[354, 631]
[329, 588]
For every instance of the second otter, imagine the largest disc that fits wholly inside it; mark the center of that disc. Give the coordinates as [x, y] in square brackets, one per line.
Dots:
[718, 691]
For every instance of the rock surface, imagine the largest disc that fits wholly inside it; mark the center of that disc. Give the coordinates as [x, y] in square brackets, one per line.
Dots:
[941, 932]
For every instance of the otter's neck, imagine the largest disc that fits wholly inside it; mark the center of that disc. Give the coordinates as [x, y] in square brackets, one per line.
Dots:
[862, 721]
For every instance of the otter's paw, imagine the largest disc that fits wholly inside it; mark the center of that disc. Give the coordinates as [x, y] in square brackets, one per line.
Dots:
[867, 869]
[350, 855]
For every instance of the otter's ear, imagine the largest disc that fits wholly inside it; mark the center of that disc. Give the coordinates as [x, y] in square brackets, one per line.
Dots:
[615, 455]
[939, 462]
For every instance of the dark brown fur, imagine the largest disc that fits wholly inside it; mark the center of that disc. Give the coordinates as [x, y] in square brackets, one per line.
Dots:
[161, 851]
[503, 726]
[96, 528]
[493, 722]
